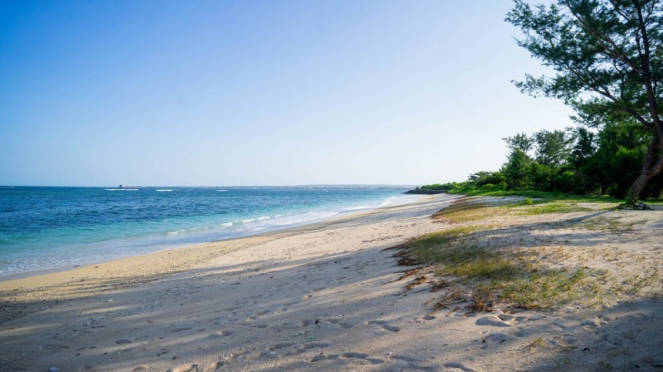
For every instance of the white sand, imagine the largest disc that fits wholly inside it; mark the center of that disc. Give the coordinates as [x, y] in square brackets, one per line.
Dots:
[322, 297]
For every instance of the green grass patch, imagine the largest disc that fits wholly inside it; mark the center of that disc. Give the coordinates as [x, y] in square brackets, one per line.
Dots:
[455, 255]
[545, 289]
[484, 266]
[554, 208]
[548, 196]
[432, 242]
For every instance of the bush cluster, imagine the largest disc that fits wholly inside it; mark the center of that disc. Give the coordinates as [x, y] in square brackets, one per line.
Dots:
[576, 161]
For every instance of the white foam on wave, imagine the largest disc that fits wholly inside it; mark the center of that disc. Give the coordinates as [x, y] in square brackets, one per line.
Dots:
[184, 231]
[165, 190]
[387, 202]
[358, 208]
[181, 236]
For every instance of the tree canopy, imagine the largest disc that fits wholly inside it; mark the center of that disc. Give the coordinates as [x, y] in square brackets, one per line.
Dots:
[608, 61]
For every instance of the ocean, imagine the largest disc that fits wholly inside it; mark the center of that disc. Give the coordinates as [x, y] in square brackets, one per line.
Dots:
[58, 227]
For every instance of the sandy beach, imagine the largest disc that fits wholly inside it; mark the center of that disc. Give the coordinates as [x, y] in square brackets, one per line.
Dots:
[327, 297]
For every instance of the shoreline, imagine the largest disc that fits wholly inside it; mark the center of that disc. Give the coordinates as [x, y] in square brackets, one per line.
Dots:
[59, 274]
[268, 230]
[330, 296]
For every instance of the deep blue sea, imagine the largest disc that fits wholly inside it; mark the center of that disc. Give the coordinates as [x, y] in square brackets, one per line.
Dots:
[55, 227]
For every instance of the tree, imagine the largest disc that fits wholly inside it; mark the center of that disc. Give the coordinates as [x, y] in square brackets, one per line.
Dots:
[614, 165]
[551, 147]
[583, 148]
[520, 141]
[608, 61]
[484, 178]
[579, 157]
[517, 170]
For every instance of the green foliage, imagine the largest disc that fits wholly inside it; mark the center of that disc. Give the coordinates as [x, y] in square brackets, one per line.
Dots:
[542, 176]
[618, 159]
[555, 208]
[483, 178]
[583, 148]
[517, 171]
[608, 66]
[551, 149]
[519, 142]
[580, 162]
[437, 187]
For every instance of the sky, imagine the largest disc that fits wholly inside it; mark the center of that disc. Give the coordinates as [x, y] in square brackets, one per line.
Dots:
[212, 93]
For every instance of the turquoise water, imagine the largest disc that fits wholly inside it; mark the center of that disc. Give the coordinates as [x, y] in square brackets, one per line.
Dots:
[53, 227]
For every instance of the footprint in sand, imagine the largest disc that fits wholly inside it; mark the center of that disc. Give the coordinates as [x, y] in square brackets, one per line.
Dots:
[459, 366]
[213, 366]
[384, 325]
[281, 345]
[195, 367]
[404, 358]
[316, 345]
[180, 329]
[184, 368]
[220, 334]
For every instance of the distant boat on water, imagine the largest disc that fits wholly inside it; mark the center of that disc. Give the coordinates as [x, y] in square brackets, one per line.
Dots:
[125, 188]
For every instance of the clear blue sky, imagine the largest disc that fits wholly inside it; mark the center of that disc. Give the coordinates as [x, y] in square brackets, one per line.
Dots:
[260, 92]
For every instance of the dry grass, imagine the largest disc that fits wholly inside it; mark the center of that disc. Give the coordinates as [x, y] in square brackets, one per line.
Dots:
[496, 271]
[610, 224]
[464, 211]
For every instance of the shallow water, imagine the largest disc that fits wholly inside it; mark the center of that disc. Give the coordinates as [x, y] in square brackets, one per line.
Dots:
[51, 227]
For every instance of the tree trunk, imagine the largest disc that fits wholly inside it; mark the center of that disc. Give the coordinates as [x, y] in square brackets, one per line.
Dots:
[650, 169]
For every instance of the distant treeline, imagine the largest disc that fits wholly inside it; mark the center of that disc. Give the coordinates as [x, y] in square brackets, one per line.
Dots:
[576, 161]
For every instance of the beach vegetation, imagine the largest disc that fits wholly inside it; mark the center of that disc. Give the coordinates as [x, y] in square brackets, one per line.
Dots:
[536, 343]
[555, 208]
[465, 212]
[501, 275]
[608, 66]
[598, 167]
[436, 187]
[496, 270]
